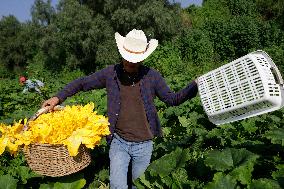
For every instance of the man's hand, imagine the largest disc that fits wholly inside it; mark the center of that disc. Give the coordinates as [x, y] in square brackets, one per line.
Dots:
[50, 103]
[196, 80]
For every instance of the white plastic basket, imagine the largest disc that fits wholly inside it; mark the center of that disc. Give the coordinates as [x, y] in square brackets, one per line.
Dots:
[246, 87]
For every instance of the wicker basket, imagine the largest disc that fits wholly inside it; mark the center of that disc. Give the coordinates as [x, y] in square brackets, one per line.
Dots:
[54, 160]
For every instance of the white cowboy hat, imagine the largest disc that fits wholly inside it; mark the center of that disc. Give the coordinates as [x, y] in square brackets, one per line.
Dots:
[134, 46]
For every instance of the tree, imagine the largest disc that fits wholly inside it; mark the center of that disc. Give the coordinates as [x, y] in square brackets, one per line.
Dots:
[42, 12]
[12, 55]
[76, 40]
[157, 18]
[272, 10]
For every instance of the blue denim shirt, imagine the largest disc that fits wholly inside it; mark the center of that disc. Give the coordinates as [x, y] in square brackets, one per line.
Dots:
[152, 85]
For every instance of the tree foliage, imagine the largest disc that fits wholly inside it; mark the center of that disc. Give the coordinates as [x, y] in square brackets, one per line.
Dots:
[42, 12]
[11, 50]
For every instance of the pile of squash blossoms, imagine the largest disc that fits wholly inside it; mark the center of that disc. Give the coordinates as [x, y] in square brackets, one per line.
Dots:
[72, 126]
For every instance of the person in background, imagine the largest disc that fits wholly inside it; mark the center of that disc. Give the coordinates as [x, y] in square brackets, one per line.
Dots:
[131, 88]
[31, 84]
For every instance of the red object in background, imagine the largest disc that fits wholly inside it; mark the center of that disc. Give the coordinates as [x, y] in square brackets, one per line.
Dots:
[22, 79]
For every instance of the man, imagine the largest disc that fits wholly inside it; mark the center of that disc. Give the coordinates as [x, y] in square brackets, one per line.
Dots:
[131, 89]
[31, 84]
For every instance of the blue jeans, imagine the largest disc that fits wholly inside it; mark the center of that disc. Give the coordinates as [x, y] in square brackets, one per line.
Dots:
[120, 154]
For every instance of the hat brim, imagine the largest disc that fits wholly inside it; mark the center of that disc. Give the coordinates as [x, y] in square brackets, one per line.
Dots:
[132, 57]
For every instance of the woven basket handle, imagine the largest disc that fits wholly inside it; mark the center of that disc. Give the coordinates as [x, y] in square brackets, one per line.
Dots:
[45, 110]
[274, 68]
[40, 112]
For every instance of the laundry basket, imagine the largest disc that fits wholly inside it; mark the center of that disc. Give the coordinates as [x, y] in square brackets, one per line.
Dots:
[246, 87]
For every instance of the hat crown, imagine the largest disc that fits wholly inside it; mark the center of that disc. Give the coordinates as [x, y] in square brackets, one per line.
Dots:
[135, 41]
[137, 34]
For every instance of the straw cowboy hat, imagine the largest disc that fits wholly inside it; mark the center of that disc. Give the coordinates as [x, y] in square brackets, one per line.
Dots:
[134, 46]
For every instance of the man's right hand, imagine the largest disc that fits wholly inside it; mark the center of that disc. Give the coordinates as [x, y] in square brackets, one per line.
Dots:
[51, 103]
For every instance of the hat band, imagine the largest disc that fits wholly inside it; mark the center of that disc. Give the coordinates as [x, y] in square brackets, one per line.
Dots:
[135, 52]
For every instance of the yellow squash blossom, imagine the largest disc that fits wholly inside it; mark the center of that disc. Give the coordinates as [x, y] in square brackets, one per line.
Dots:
[72, 126]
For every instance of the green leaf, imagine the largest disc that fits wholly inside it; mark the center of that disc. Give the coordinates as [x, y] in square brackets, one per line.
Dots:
[243, 161]
[221, 181]
[275, 119]
[183, 121]
[46, 186]
[166, 164]
[74, 181]
[8, 182]
[242, 174]
[142, 180]
[166, 131]
[176, 185]
[279, 173]
[139, 185]
[199, 131]
[168, 181]
[264, 184]
[157, 185]
[220, 160]
[25, 173]
[249, 125]
[276, 136]
[183, 157]
[180, 177]
[59, 185]
[240, 161]
[103, 175]
[166, 171]
[74, 185]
